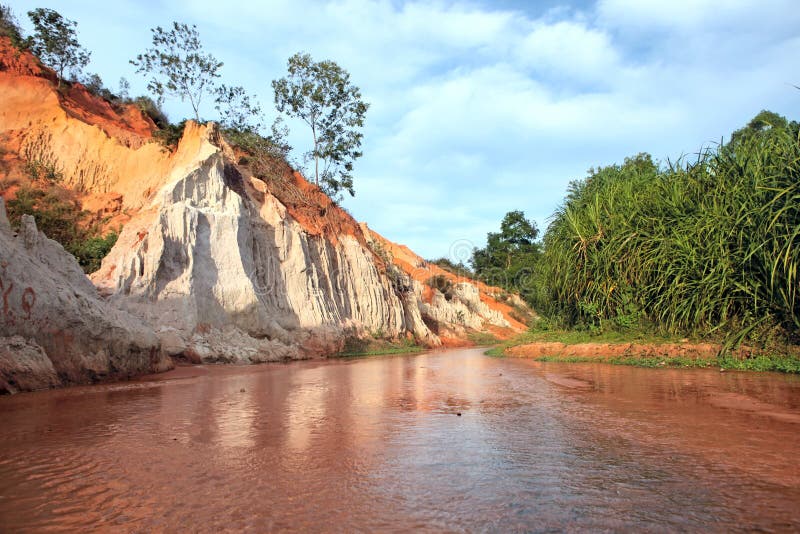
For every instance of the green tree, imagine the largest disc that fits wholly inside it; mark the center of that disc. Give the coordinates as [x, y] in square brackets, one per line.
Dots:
[54, 41]
[238, 110]
[177, 66]
[9, 26]
[517, 236]
[510, 256]
[124, 91]
[762, 122]
[320, 93]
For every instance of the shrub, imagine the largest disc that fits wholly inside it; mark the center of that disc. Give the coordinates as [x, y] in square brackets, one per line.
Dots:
[57, 218]
[458, 269]
[170, 135]
[90, 251]
[442, 284]
[709, 247]
[399, 281]
[39, 170]
[150, 107]
[63, 221]
[266, 154]
[94, 84]
[9, 27]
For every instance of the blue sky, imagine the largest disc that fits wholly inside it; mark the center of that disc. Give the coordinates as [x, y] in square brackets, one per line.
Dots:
[479, 108]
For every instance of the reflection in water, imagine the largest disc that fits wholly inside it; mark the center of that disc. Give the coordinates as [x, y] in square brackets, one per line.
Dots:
[376, 444]
[233, 418]
[305, 409]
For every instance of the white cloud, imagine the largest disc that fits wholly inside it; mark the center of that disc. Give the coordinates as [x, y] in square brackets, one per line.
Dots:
[477, 110]
[569, 48]
[684, 16]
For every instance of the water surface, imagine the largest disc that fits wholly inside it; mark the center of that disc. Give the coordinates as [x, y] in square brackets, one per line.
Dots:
[376, 444]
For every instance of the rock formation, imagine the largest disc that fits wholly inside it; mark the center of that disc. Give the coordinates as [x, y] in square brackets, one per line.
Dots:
[214, 263]
[216, 255]
[54, 328]
[469, 305]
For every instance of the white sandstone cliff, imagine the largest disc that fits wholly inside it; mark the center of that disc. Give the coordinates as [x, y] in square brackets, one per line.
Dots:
[462, 310]
[212, 260]
[54, 328]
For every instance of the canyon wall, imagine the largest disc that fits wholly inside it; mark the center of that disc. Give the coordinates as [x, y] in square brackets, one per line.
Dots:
[213, 263]
[215, 256]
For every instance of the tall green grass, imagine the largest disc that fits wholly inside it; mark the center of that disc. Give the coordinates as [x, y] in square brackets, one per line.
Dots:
[709, 246]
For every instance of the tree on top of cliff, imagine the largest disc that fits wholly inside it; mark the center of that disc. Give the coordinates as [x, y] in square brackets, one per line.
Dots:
[9, 26]
[177, 65]
[320, 93]
[55, 43]
[238, 110]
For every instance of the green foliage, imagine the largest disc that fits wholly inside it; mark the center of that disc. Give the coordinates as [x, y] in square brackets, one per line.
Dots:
[39, 170]
[320, 93]
[544, 330]
[9, 27]
[266, 155]
[90, 251]
[152, 109]
[442, 284]
[60, 219]
[458, 269]
[762, 122]
[380, 251]
[710, 247]
[238, 110]
[762, 363]
[482, 339]
[177, 66]
[398, 279]
[170, 135]
[124, 89]
[94, 84]
[54, 41]
[511, 256]
[359, 347]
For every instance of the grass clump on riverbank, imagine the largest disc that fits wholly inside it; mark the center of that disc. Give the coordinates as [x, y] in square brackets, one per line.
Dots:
[359, 348]
[781, 364]
[482, 339]
[776, 363]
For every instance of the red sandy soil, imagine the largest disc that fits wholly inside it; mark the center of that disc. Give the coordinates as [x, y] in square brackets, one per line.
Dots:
[316, 212]
[607, 351]
[128, 123]
[422, 271]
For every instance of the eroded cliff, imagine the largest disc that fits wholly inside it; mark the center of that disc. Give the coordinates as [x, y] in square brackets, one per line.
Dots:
[54, 328]
[463, 306]
[220, 264]
[216, 256]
